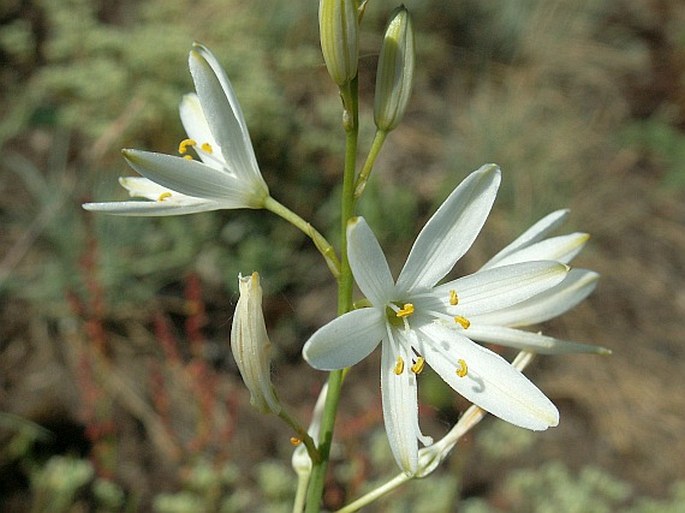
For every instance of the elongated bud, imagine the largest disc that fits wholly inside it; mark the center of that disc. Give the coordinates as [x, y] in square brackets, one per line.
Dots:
[395, 71]
[251, 346]
[339, 29]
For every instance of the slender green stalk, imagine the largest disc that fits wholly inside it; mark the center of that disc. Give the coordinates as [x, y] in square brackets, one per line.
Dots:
[335, 378]
[302, 435]
[373, 495]
[319, 240]
[376, 146]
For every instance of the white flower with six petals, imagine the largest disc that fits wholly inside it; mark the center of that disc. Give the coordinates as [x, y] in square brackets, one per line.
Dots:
[227, 175]
[419, 322]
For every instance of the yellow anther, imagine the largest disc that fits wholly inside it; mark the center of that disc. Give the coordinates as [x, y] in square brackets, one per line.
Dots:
[399, 366]
[207, 148]
[164, 196]
[419, 365]
[454, 299]
[405, 311]
[183, 145]
[463, 321]
[188, 157]
[463, 369]
[295, 441]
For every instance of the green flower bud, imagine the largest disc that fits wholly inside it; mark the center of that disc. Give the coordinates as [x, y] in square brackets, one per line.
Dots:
[339, 28]
[251, 346]
[395, 71]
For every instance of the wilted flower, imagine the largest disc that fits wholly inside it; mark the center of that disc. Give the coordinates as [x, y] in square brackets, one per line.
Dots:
[395, 71]
[226, 176]
[251, 346]
[421, 323]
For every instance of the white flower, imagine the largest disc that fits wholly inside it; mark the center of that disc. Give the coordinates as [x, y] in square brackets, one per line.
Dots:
[421, 323]
[227, 175]
[251, 346]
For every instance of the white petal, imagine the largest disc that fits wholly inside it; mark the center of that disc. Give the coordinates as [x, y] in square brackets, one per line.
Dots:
[368, 263]
[449, 233]
[196, 127]
[223, 114]
[139, 187]
[154, 208]
[494, 289]
[577, 285]
[527, 341]
[490, 381]
[193, 178]
[562, 248]
[400, 407]
[345, 340]
[533, 234]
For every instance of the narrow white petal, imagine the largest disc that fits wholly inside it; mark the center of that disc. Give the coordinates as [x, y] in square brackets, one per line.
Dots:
[533, 234]
[562, 248]
[400, 406]
[223, 115]
[527, 341]
[345, 340]
[139, 187]
[575, 287]
[501, 287]
[368, 263]
[489, 381]
[153, 208]
[193, 178]
[195, 124]
[449, 233]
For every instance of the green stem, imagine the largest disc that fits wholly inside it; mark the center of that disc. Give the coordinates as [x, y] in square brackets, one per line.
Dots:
[345, 282]
[302, 434]
[319, 240]
[376, 494]
[376, 146]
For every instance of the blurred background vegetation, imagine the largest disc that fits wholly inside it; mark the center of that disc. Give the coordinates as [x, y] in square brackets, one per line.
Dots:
[117, 393]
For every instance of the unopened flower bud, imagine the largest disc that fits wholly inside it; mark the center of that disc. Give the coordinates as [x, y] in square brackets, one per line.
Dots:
[251, 346]
[339, 29]
[395, 72]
